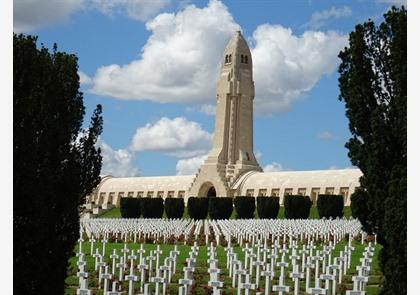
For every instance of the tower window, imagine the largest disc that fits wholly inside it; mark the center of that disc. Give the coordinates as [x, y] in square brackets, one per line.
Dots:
[230, 57]
[242, 58]
[246, 59]
[226, 59]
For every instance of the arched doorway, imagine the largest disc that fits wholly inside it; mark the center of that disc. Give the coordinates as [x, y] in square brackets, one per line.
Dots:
[211, 192]
[207, 189]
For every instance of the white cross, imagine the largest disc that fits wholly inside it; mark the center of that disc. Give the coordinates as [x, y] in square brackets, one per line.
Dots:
[247, 285]
[308, 265]
[268, 274]
[158, 279]
[106, 276]
[327, 277]
[121, 265]
[257, 264]
[296, 276]
[114, 290]
[142, 268]
[113, 256]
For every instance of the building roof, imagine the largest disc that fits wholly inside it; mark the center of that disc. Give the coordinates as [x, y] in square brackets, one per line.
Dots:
[304, 179]
[157, 183]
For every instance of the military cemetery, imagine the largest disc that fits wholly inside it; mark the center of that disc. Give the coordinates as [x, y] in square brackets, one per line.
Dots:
[228, 222]
[245, 256]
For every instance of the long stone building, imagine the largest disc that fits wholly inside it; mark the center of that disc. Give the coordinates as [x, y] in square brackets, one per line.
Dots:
[231, 168]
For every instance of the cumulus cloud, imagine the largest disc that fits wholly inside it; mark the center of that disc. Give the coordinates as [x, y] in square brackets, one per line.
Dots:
[325, 135]
[273, 167]
[180, 61]
[135, 9]
[177, 137]
[286, 65]
[320, 18]
[29, 15]
[189, 166]
[118, 163]
[84, 78]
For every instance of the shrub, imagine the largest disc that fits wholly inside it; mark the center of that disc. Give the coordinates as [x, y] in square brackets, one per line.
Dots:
[245, 207]
[358, 205]
[130, 208]
[297, 207]
[330, 206]
[268, 207]
[220, 208]
[174, 208]
[152, 207]
[198, 207]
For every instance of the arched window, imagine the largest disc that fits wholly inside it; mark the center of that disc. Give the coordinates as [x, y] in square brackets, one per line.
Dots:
[226, 59]
[230, 57]
[246, 59]
[242, 58]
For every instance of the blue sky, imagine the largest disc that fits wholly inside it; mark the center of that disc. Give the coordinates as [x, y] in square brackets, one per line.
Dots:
[153, 67]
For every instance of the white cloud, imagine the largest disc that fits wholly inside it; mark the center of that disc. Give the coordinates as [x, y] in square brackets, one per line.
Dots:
[136, 9]
[319, 18]
[189, 166]
[179, 62]
[325, 135]
[286, 66]
[208, 109]
[29, 15]
[258, 155]
[177, 137]
[273, 167]
[119, 163]
[84, 78]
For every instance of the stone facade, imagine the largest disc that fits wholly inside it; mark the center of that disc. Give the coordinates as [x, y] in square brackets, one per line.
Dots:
[231, 168]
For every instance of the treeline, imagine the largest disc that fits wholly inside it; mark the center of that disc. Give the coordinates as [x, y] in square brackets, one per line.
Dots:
[296, 207]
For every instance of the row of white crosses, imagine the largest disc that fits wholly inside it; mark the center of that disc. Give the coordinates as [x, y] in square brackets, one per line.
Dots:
[242, 230]
[136, 263]
[261, 263]
[136, 229]
[362, 277]
[187, 281]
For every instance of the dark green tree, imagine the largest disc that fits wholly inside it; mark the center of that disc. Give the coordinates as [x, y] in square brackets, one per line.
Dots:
[56, 164]
[373, 86]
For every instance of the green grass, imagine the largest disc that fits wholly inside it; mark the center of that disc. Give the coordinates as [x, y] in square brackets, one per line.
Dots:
[115, 213]
[201, 276]
[112, 213]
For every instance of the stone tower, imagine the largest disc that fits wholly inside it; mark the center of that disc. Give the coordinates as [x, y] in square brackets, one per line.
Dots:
[232, 154]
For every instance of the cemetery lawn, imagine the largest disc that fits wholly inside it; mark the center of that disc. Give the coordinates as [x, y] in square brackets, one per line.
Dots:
[115, 213]
[201, 276]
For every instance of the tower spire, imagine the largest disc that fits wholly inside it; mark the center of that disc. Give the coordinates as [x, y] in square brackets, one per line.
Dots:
[232, 154]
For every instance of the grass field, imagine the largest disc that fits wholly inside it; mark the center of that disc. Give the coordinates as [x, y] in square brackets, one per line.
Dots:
[201, 276]
[115, 213]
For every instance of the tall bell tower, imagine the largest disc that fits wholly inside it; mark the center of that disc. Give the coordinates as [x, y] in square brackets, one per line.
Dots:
[232, 154]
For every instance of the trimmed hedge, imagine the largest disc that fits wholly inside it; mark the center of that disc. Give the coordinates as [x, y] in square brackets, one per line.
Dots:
[198, 207]
[130, 208]
[245, 207]
[174, 208]
[220, 208]
[330, 206]
[297, 207]
[152, 207]
[268, 207]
